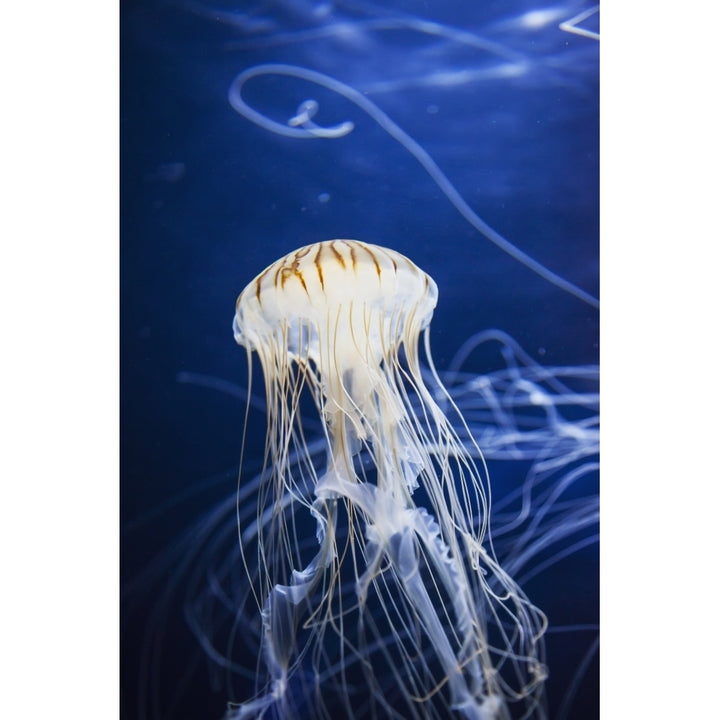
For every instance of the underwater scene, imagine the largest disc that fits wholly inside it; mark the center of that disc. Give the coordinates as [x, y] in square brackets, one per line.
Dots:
[359, 355]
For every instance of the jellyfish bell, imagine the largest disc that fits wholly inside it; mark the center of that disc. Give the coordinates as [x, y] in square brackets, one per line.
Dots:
[361, 287]
[400, 606]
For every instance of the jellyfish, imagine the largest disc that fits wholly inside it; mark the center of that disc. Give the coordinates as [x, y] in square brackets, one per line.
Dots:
[379, 591]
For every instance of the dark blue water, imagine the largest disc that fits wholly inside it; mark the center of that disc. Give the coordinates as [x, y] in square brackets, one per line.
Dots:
[503, 100]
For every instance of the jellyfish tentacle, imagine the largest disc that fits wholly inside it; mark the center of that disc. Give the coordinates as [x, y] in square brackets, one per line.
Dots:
[304, 118]
[281, 614]
[385, 512]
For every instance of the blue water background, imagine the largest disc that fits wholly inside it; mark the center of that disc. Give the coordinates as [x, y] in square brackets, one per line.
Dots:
[505, 102]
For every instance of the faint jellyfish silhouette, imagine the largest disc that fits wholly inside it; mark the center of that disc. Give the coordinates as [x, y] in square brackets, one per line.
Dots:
[375, 576]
